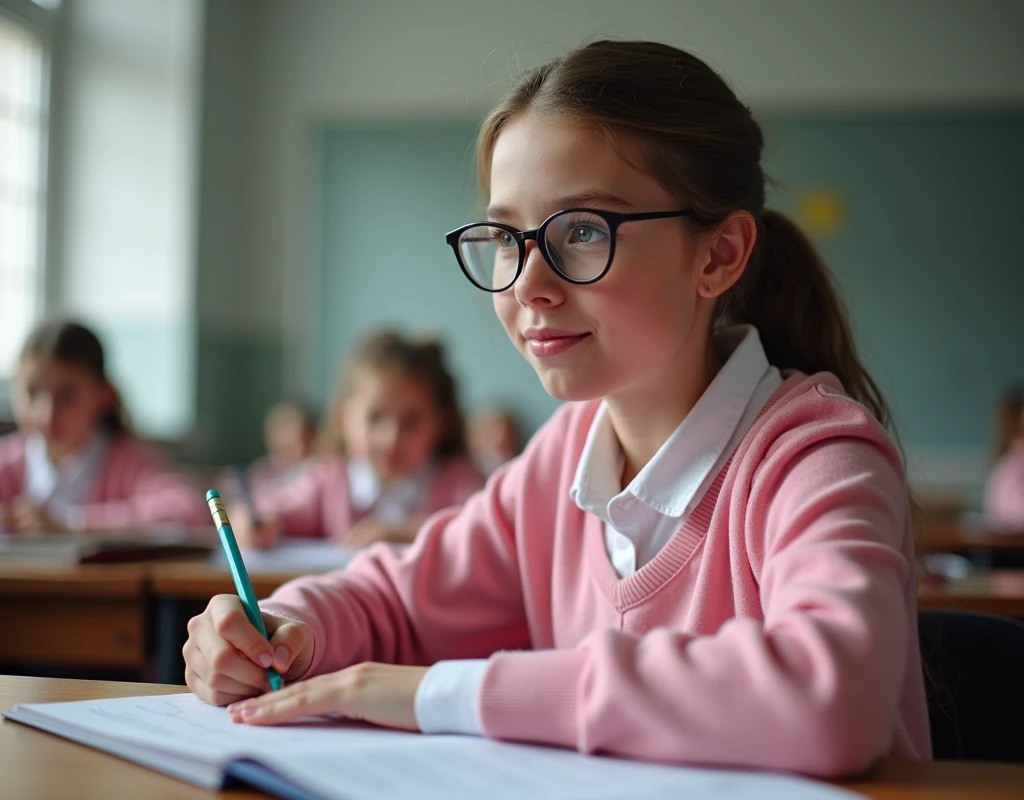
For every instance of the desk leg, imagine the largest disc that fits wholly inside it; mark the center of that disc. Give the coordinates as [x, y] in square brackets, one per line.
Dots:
[172, 616]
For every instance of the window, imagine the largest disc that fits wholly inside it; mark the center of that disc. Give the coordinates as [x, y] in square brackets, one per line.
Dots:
[23, 129]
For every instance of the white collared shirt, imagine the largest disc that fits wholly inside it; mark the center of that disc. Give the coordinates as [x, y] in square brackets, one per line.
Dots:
[640, 519]
[62, 489]
[393, 503]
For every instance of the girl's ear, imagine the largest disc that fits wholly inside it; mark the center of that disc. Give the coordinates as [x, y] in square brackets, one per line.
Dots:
[728, 251]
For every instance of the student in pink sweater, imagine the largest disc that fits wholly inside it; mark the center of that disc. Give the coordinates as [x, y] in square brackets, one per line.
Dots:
[73, 464]
[398, 422]
[1004, 493]
[705, 556]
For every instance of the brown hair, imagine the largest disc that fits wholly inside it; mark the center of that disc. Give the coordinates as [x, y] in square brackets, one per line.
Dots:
[73, 343]
[422, 359]
[704, 146]
[1009, 420]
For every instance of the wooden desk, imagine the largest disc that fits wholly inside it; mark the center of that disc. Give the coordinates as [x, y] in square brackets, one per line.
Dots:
[182, 590]
[36, 765]
[199, 580]
[92, 615]
[39, 766]
[987, 591]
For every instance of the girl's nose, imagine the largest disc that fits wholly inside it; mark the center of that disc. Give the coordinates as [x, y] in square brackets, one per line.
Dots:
[537, 283]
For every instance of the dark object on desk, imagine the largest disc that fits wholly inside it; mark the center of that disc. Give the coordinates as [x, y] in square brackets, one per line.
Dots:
[73, 548]
[975, 691]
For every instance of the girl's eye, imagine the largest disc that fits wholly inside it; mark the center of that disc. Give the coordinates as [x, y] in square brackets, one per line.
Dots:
[586, 233]
[506, 239]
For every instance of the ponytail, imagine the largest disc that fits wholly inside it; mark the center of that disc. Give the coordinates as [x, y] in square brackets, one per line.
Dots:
[788, 294]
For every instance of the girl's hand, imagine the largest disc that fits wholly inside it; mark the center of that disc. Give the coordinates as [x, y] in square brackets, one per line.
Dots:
[225, 656]
[384, 694]
[248, 533]
[370, 530]
[26, 517]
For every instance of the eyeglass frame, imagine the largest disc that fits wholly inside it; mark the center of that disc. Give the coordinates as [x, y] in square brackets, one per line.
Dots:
[613, 218]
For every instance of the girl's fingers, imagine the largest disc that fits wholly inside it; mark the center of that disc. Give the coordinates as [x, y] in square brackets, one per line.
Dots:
[225, 619]
[231, 681]
[204, 691]
[315, 697]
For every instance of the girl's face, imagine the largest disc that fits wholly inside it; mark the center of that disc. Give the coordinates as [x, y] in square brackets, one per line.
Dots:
[60, 401]
[392, 420]
[629, 334]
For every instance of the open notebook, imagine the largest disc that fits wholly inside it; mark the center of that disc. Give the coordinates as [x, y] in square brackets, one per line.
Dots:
[326, 759]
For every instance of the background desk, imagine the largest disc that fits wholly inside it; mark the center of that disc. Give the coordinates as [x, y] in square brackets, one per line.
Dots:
[987, 591]
[36, 765]
[92, 616]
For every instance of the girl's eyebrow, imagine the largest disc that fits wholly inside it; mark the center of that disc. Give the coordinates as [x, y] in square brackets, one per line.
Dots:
[589, 199]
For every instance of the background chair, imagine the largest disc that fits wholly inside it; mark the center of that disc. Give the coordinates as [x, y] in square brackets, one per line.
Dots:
[975, 685]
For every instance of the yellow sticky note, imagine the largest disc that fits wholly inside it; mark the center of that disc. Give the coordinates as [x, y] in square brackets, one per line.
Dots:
[821, 211]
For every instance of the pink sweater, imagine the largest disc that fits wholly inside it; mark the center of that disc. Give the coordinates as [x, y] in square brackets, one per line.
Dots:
[315, 503]
[777, 629]
[1004, 495]
[135, 487]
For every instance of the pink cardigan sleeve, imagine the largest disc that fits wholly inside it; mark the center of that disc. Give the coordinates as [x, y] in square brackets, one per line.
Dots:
[813, 688]
[313, 504]
[12, 467]
[137, 487]
[453, 593]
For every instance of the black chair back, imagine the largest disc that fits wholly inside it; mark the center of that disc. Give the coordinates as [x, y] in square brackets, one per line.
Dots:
[974, 678]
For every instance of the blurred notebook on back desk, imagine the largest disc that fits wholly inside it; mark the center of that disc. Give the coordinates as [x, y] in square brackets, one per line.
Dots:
[97, 548]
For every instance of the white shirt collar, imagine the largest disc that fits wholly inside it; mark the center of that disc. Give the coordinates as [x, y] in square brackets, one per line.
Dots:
[68, 485]
[682, 465]
[393, 503]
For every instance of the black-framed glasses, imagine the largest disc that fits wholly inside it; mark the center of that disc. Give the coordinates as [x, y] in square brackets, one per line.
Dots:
[577, 243]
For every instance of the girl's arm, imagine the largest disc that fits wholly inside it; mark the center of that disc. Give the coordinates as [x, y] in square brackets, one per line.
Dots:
[814, 688]
[454, 593]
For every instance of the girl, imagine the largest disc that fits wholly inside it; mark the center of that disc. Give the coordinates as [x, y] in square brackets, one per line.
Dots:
[401, 429]
[74, 464]
[1004, 495]
[704, 558]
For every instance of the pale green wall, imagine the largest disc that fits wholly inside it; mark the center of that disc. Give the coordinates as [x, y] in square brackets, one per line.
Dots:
[928, 257]
[929, 260]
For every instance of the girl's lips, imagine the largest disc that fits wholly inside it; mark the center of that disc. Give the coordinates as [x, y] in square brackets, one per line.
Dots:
[554, 345]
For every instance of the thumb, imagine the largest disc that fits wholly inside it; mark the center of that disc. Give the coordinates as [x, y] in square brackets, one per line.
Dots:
[292, 643]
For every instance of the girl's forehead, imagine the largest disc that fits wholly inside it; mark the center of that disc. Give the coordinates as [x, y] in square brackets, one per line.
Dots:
[538, 163]
[48, 369]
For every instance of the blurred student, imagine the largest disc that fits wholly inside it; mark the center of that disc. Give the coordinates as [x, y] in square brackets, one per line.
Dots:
[289, 431]
[73, 463]
[1004, 494]
[394, 454]
[493, 439]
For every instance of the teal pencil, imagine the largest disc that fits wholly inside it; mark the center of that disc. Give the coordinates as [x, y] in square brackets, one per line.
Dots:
[238, 574]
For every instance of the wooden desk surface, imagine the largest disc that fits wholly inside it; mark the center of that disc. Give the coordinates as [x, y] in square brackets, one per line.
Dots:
[200, 580]
[988, 591]
[955, 536]
[37, 765]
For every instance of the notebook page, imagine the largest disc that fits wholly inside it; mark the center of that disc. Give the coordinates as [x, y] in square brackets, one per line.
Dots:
[184, 737]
